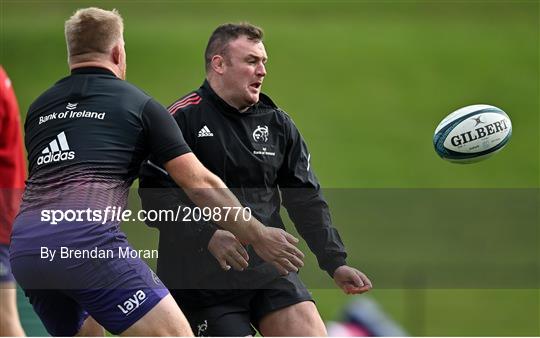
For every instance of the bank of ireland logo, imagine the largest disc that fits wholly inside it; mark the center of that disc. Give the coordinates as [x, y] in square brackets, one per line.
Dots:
[261, 134]
[71, 106]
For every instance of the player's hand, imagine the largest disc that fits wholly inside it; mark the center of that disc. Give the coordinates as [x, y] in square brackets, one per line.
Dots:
[228, 251]
[352, 281]
[277, 246]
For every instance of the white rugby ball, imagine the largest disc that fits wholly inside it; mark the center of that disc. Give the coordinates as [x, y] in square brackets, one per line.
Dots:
[472, 133]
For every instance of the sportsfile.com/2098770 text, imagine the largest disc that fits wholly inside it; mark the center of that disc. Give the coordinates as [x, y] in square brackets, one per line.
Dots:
[119, 214]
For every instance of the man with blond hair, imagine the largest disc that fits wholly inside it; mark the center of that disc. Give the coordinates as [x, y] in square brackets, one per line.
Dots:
[254, 146]
[86, 137]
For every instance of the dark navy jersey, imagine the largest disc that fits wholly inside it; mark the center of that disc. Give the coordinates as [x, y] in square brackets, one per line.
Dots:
[262, 157]
[86, 137]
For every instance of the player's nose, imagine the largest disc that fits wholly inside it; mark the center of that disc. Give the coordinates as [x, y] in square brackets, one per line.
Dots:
[261, 70]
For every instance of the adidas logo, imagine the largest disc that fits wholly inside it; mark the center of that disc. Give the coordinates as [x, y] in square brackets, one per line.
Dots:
[57, 150]
[205, 132]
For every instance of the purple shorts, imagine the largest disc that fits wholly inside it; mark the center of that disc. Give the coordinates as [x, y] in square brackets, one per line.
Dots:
[115, 291]
[5, 267]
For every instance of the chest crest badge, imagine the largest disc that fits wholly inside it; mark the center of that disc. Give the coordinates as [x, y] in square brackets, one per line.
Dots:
[260, 134]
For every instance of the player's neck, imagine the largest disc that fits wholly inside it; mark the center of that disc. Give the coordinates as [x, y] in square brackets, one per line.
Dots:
[100, 64]
[222, 92]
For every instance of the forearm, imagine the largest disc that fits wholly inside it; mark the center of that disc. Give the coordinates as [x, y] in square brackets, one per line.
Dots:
[310, 213]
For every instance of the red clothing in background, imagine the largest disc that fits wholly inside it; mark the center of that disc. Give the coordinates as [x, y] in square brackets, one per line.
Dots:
[12, 165]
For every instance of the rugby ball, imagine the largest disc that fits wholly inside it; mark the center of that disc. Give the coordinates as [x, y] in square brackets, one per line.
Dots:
[472, 133]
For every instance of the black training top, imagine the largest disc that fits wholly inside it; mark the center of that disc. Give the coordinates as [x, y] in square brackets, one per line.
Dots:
[86, 137]
[258, 154]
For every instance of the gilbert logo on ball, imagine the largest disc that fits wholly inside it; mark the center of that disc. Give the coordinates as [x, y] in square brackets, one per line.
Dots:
[472, 133]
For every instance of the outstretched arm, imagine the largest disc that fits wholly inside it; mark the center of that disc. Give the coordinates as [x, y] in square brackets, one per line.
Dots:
[307, 208]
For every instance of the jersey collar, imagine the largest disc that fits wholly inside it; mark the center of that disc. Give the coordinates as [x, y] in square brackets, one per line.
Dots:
[92, 70]
[222, 105]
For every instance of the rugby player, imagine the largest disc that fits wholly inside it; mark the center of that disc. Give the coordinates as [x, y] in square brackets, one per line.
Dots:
[244, 138]
[12, 175]
[86, 137]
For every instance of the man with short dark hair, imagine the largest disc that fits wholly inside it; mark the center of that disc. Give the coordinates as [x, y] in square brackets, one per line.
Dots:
[86, 137]
[244, 138]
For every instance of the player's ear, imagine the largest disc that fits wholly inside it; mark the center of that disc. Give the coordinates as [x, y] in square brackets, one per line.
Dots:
[218, 64]
[117, 53]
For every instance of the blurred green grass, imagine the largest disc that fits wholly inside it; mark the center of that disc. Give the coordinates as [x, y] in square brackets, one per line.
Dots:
[366, 83]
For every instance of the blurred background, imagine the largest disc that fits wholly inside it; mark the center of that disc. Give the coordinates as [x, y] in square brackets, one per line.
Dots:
[451, 249]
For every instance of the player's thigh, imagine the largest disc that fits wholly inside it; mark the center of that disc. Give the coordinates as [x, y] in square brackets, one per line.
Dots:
[286, 307]
[301, 319]
[221, 321]
[116, 292]
[91, 328]
[134, 309]
[164, 319]
[229, 316]
[135, 302]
